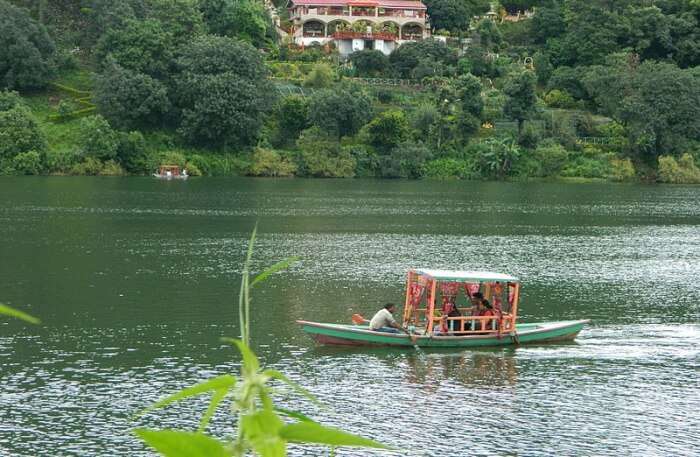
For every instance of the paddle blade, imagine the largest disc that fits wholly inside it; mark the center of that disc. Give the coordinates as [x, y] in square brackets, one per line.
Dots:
[357, 319]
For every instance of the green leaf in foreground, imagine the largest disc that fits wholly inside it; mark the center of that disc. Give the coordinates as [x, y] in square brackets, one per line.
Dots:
[250, 361]
[218, 384]
[293, 414]
[312, 432]
[173, 443]
[261, 430]
[279, 266]
[9, 311]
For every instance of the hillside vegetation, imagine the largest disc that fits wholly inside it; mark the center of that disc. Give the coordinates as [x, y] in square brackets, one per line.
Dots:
[581, 89]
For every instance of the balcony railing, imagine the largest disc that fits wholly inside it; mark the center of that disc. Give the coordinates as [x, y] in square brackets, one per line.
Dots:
[350, 35]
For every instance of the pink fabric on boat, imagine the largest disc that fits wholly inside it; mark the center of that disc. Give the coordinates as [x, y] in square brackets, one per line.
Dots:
[471, 288]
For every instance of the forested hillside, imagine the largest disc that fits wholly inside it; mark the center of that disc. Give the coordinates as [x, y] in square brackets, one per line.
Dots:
[592, 89]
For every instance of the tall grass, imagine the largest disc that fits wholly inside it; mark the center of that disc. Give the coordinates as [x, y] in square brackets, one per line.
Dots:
[263, 427]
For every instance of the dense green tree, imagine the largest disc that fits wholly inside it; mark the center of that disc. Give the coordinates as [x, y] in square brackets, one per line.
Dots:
[141, 46]
[128, 99]
[181, 18]
[27, 53]
[452, 15]
[97, 139]
[569, 79]
[407, 160]
[408, 56]
[369, 62]
[388, 129]
[520, 97]
[490, 37]
[340, 112]
[658, 103]
[243, 19]
[222, 91]
[19, 130]
[292, 117]
[468, 89]
[548, 21]
[320, 77]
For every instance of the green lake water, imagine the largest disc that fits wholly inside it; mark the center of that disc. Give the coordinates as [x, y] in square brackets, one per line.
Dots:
[136, 280]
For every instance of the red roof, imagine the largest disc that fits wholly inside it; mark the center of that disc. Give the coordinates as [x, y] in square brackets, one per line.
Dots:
[382, 3]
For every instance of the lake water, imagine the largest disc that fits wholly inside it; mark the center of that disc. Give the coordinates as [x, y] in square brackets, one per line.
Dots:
[136, 280]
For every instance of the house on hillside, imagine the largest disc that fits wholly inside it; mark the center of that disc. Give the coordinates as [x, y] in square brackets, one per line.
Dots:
[354, 25]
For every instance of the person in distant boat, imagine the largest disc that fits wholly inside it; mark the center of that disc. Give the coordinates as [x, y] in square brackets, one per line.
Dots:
[476, 298]
[454, 312]
[384, 320]
[485, 310]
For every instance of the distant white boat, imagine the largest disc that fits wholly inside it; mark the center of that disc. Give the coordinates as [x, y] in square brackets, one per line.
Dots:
[170, 172]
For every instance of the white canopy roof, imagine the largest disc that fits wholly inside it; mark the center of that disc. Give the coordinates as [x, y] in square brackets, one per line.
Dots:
[475, 276]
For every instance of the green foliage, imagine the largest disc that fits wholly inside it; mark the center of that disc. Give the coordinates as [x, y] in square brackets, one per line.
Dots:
[323, 157]
[490, 37]
[243, 19]
[622, 170]
[340, 112]
[13, 312]
[448, 168]
[520, 97]
[129, 99]
[559, 99]
[658, 103]
[551, 158]
[369, 63]
[681, 171]
[27, 53]
[292, 117]
[494, 158]
[409, 55]
[569, 80]
[19, 130]
[543, 67]
[9, 99]
[140, 46]
[320, 77]
[406, 160]
[468, 88]
[28, 163]
[223, 91]
[266, 162]
[97, 138]
[454, 15]
[388, 129]
[181, 18]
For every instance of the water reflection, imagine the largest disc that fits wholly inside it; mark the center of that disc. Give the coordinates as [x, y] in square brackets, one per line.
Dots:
[468, 369]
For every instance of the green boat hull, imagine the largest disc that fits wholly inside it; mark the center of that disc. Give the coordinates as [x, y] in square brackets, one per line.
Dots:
[358, 335]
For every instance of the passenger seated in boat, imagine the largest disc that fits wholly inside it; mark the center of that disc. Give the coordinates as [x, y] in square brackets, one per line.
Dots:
[454, 326]
[476, 298]
[485, 309]
[384, 320]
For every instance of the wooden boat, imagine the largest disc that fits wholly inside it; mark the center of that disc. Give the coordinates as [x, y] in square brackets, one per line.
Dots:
[426, 326]
[170, 172]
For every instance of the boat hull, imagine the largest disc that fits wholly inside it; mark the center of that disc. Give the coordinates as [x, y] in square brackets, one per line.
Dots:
[357, 335]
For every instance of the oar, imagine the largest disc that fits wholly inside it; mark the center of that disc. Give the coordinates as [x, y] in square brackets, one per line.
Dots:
[357, 319]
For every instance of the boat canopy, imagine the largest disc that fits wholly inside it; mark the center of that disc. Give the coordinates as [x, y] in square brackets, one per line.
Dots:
[473, 276]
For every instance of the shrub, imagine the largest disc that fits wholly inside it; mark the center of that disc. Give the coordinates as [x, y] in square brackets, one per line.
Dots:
[369, 62]
[266, 162]
[320, 77]
[494, 158]
[681, 171]
[340, 112]
[192, 169]
[559, 99]
[28, 163]
[551, 158]
[19, 131]
[405, 161]
[91, 166]
[322, 156]
[111, 168]
[97, 138]
[621, 170]
[448, 168]
[366, 160]
[128, 98]
[131, 152]
[388, 129]
[27, 53]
